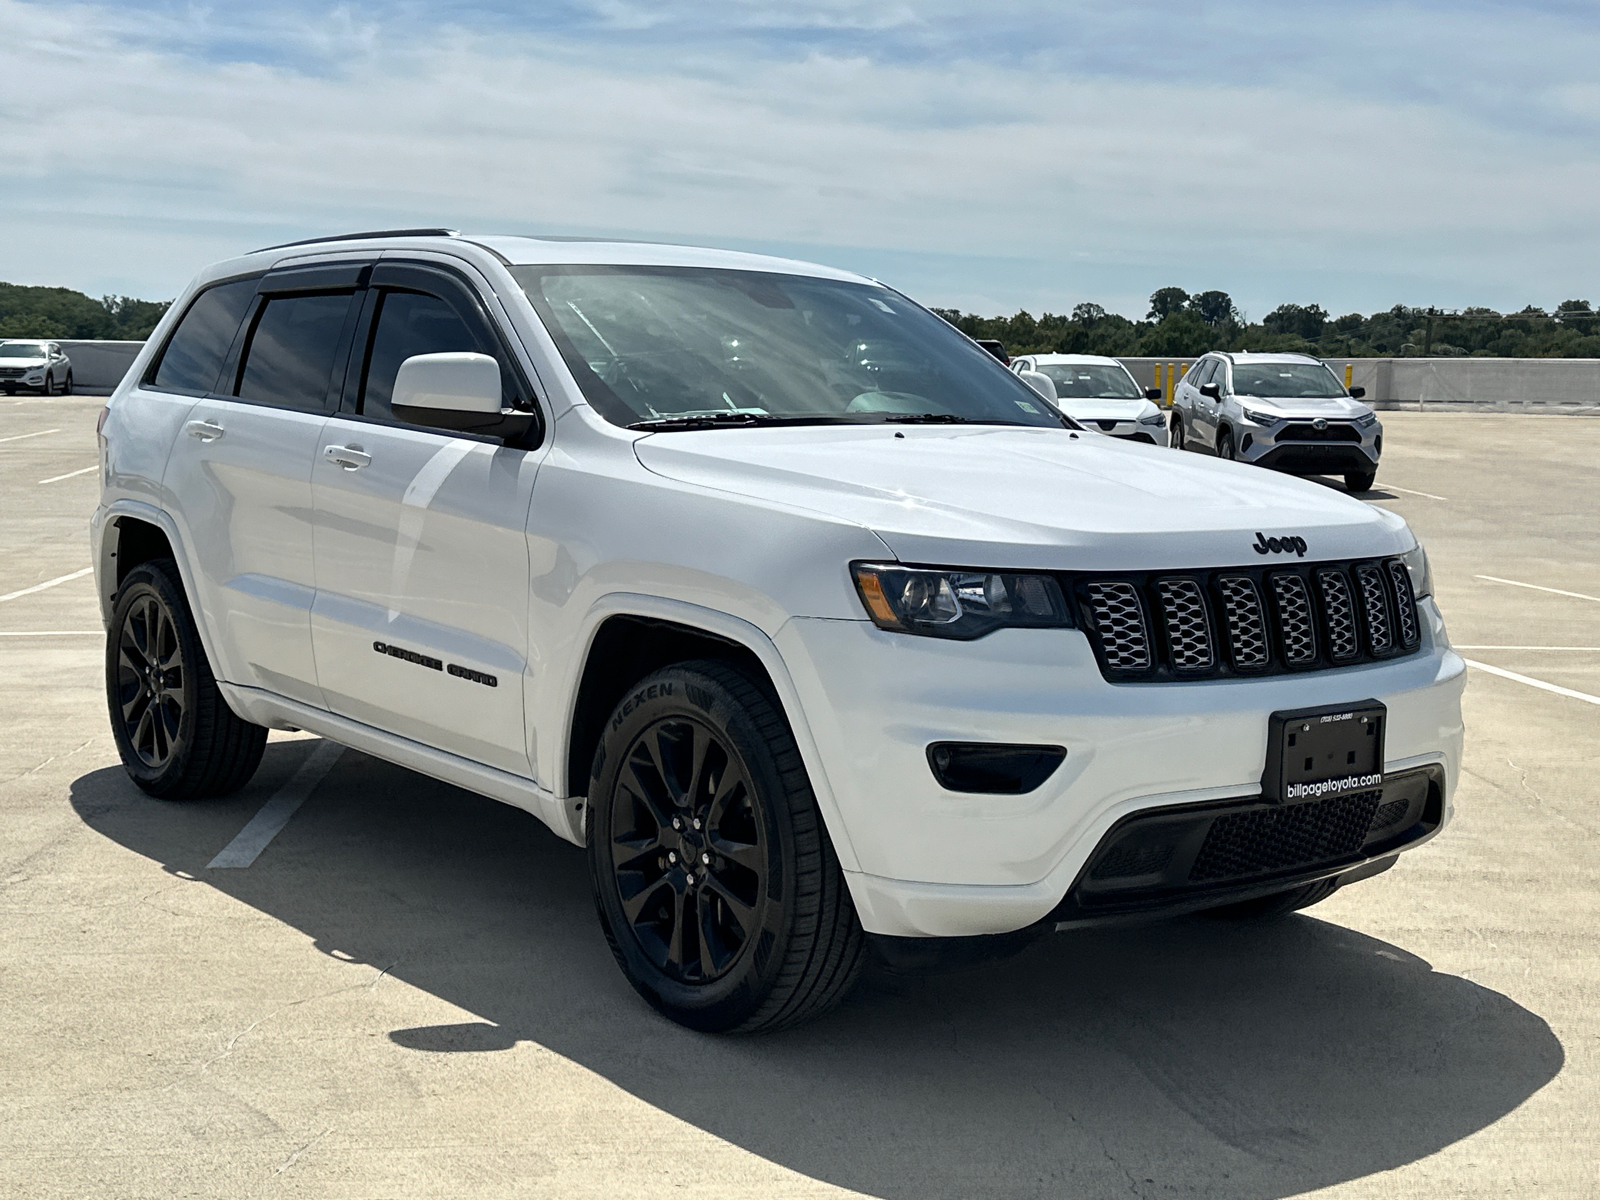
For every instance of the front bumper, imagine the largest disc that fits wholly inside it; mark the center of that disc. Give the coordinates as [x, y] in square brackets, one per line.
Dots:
[935, 863]
[1279, 448]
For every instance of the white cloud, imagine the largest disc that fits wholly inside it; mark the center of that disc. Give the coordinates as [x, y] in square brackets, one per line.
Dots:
[988, 184]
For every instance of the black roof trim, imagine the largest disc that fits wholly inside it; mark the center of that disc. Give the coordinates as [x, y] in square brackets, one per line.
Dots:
[370, 233]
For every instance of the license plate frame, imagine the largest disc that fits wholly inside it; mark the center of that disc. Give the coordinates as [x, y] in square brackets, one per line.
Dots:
[1320, 753]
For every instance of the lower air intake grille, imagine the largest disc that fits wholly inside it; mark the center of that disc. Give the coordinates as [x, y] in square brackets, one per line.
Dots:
[1119, 618]
[1282, 838]
[1389, 813]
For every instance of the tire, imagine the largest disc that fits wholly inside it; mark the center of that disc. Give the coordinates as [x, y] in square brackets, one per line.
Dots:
[1280, 904]
[774, 939]
[178, 738]
[1360, 483]
[1175, 432]
[49, 385]
[1226, 449]
[66, 386]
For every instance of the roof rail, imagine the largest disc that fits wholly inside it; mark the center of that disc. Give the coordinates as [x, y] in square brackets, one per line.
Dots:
[370, 233]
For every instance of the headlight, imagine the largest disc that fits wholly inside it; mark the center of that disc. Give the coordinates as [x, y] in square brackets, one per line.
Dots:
[1368, 421]
[1155, 418]
[1416, 560]
[1260, 418]
[958, 604]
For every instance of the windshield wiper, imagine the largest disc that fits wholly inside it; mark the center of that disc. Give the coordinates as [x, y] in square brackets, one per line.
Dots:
[729, 420]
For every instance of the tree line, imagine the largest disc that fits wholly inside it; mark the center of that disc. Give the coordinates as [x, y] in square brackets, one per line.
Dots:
[1179, 325]
[49, 312]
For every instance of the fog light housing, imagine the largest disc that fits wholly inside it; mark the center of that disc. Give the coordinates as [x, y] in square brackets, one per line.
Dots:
[996, 768]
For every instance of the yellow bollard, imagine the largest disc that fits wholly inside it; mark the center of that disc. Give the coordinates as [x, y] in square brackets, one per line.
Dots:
[1349, 373]
[1157, 383]
[1172, 379]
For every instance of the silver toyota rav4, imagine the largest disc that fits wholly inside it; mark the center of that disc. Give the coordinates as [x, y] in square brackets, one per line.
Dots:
[1286, 411]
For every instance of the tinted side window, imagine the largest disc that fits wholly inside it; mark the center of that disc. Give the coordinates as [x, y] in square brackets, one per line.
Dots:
[292, 349]
[410, 323]
[193, 357]
[1208, 369]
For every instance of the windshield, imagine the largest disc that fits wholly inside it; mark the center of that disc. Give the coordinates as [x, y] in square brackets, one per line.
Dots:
[695, 344]
[1084, 381]
[22, 350]
[1285, 381]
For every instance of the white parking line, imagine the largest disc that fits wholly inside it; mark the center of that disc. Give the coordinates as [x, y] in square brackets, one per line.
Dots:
[1531, 682]
[70, 474]
[1395, 487]
[1584, 649]
[18, 437]
[275, 813]
[52, 633]
[1537, 588]
[48, 583]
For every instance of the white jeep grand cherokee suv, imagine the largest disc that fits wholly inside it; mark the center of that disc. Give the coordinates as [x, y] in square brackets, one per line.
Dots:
[814, 624]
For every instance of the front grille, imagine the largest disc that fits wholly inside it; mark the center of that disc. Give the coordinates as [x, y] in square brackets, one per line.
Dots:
[1119, 616]
[1280, 839]
[12, 372]
[1248, 620]
[1310, 433]
[1106, 426]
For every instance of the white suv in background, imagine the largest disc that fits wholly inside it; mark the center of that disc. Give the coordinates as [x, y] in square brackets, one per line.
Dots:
[1285, 411]
[1097, 392]
[813, 625]
[34, 366]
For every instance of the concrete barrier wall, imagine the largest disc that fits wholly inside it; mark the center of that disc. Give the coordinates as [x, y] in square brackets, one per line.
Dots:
[1532, 385]
[97, 367]
[1547, 385]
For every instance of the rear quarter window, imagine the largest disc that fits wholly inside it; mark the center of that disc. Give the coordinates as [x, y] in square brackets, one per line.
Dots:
[193, 356]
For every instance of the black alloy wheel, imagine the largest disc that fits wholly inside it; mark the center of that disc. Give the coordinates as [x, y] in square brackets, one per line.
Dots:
[150, 684]
[177, 736]
[716, 885]
[1225, 445]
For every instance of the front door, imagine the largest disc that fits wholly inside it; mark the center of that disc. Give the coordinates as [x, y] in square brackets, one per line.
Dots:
[420, 620]
[240, 474]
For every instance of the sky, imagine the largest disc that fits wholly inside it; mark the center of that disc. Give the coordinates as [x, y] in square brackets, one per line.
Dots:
[989, 157]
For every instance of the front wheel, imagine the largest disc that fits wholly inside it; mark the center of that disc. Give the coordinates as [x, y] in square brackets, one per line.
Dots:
[1360, 481]
[178, 738]
[1225, 445]
[49, 385]
[715, 882]
[1175, 432]
[66, 385]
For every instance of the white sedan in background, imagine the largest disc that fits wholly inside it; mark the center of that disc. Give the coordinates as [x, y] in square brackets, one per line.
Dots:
[1097, 392]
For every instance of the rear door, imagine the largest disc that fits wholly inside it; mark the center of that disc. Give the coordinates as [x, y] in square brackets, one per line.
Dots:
[420, 621]
[240, 475]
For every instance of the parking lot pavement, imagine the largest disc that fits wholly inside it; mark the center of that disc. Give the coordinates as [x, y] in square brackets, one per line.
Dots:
[406, 993]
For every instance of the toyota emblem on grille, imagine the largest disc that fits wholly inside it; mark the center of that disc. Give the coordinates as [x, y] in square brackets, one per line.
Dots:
[1320, 423]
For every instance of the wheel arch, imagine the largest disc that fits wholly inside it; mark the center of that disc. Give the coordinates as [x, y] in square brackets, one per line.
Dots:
[627, 637]
[133, 533]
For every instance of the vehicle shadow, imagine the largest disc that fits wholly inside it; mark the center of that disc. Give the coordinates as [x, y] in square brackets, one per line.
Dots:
[1195, 1056]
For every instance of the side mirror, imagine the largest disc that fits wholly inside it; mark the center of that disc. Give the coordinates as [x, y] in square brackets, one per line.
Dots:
[1211, 391]
[1357, 392]
[1155, 394]
[1041, 383]
[448, 391]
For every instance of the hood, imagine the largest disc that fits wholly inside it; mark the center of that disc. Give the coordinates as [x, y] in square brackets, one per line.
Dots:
[1100, 408]
[1322, 406]
[987, 496]
[31, 364]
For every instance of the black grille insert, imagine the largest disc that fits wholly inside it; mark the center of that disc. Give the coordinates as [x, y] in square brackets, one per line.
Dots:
[1334, 432]
[1247, 620]
[1277, 839]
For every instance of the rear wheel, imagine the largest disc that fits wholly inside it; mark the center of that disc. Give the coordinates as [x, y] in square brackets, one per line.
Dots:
[716, 884]
[1361, 482]
[1280, 904]
[178, 738]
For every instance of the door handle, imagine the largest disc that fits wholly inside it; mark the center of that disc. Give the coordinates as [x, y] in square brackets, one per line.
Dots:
[351, 458]
[206, 431]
